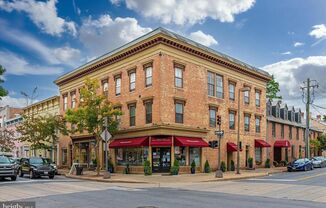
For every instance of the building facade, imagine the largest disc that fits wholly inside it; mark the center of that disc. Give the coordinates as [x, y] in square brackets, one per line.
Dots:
[170, 90]
[286, 132]
[49, 106]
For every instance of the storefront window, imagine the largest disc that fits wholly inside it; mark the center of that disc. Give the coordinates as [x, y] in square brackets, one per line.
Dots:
[195, 155]
[131, 156]
[258, 154]
[180, 155]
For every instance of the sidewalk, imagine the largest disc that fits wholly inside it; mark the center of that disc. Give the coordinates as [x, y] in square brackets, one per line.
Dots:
[183, 178]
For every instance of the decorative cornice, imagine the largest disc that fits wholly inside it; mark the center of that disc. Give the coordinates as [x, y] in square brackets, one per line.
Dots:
[168, 42]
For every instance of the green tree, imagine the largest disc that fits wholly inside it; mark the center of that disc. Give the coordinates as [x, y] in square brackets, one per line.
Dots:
[90, 115]
[315, 145]
[7, 139]
[41, 132]
[273, 87]
[322, 141]
[3, 92]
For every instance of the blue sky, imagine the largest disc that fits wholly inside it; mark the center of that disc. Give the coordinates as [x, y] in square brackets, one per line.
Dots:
[40, 40]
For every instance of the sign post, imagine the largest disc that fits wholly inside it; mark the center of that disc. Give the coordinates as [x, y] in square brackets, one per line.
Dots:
[219, 134]
[106, 136]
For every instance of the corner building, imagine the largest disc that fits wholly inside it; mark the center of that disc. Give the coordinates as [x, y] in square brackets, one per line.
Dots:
[170, 90]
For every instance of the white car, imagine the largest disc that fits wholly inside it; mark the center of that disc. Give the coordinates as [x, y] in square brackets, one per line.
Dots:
[319, 162]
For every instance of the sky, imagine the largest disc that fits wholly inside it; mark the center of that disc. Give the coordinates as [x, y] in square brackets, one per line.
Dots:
[41, 40]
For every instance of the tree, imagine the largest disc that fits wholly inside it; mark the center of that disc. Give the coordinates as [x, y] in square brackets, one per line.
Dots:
[273, 87]
[315, 145]
[322, 141]
[41, 132]
[7, 139]
[89, 116]
[3, 92]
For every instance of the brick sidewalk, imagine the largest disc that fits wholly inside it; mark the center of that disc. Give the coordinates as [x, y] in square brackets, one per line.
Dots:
[183, 178]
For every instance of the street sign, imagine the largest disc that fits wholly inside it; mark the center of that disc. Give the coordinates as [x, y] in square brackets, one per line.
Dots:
[109, 136]
[219, 133]
[213, 144]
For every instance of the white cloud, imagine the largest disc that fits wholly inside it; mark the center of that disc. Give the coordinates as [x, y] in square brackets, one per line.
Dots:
[104, 34]
[67, 54]
[17, 65]
[64, 55]
[43, 14]
[298, 44]
[202, 38]
[291, 73]
[318, 31]
[13, 102]
[286, 53]
[188, 11]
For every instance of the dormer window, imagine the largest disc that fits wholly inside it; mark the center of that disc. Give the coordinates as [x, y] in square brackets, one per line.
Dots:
[277, 112]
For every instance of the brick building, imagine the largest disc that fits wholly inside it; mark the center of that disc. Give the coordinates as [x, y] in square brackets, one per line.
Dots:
[286, 132]
[170, 90]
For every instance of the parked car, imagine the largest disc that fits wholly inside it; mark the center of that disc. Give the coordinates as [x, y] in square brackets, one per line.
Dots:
[303, 164]
[54, 166]
[36, 167]
[319, 162]
[7, 168]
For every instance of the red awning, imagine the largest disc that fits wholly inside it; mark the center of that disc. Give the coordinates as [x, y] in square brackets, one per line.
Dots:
[190, 142]
[261, 143]
[129, 142]
[282, 143]
[161, 141]
[231, 147]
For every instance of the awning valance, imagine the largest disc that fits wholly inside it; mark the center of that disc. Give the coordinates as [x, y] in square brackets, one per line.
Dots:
[129, 142]
[190, 142]
[231, 147]
[261, 143]
[161, 141]
[282, 143]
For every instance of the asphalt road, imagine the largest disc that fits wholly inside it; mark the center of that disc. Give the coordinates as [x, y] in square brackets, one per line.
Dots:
[279, 190]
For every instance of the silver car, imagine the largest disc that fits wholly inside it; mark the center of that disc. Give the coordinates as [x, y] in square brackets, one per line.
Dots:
[319, 162]
[7, 168]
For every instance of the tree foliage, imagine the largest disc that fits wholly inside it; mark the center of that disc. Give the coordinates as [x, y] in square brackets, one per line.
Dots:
[3, 91]
[41, 131]
[273, 87]
[90, 114]
[7, 140]
[322, 141]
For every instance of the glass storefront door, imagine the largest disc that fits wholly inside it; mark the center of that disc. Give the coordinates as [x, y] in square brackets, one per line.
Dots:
[161, 159]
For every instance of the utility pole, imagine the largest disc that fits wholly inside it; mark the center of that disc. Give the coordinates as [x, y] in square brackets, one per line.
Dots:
[308, 91]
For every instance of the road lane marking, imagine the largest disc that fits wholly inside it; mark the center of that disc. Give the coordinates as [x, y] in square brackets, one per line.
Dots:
[271, 179]
[312, 176]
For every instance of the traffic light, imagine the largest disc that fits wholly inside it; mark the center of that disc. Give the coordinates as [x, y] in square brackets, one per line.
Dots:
[218, 120]
[213, 144]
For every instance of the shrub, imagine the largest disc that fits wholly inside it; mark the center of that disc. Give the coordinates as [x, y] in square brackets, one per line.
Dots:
[193, 167]
[126, 170]
[267, 163]
[223, 166]
[232, 168]
[147, 168]
[175, 168]
[207, 168]
[250, 162]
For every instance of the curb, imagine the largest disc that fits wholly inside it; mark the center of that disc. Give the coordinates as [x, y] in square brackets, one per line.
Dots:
[104, 180]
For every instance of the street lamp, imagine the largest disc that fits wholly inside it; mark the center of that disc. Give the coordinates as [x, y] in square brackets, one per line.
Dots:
[244, 89]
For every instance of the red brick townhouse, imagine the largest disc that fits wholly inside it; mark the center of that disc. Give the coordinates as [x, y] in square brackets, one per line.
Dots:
[286, 132]
[170, 90]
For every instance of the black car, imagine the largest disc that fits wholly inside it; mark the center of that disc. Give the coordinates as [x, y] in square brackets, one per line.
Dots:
[54, 166]
[36, 167]
[303, 164]
[7, 168]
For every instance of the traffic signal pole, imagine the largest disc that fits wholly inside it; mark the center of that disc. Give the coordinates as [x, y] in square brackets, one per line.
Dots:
[219, 173]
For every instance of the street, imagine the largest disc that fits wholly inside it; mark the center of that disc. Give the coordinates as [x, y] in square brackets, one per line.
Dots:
[299, 189]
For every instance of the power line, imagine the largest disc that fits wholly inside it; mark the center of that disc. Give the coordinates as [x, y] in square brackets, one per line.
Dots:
[317, 109]
[319, 106]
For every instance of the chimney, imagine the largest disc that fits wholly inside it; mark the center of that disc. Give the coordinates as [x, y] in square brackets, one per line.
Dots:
[318, 117]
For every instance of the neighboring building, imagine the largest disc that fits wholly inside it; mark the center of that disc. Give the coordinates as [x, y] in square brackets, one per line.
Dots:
[49, 106]
[20, 150]
[7, 112]
[286, 132]
[170, 90]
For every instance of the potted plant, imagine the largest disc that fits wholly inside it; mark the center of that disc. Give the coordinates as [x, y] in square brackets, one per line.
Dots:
[193, 167]
[207, 168]
[250, 163]
[223, 166]
[267, 163]
[126, 170]
[175, 168]
[111, 167]
[232, 168]
[147, 168]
